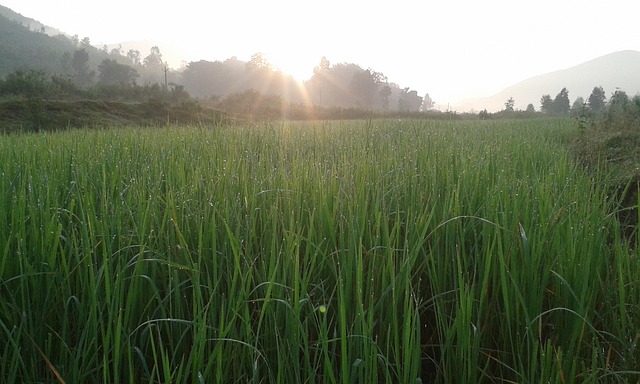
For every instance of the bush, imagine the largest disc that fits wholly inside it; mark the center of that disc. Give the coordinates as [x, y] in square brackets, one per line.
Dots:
[28, 83]
[621, 113]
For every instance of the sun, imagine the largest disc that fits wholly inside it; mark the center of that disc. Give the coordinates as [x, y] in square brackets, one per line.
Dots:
[291, 63]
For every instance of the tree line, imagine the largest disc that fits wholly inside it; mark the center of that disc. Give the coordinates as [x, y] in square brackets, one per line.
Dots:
[344, 85]
[75, 61]
[619, 110]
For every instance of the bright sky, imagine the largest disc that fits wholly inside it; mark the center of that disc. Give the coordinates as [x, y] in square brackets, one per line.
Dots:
[451, 49]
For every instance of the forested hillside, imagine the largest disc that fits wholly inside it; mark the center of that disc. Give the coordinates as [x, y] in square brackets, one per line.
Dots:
[26, 44]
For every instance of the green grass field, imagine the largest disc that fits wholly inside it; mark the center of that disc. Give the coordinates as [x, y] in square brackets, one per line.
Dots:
[336, 252]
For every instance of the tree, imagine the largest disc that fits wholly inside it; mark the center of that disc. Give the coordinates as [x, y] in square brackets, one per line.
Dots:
[509, 105]
[259, 61]
[80, 72]
[85, 42]
[427, 103]
[111, 73]
[65, 61]
[134, 56]
[618, 101]
[559, 106]
[546, 104]
[561, 103]
[116, 51]
[597, 100]
[617, 112]
[363, 86]
[530, 108]
[205, 78]
[385, 93]
[409, 101]
[323, 66]
[30, 83]
[154, 59]
[578, 107]
[320, 73]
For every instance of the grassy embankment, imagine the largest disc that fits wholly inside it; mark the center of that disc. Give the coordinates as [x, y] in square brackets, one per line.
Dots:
[22, 115]
[337, 252]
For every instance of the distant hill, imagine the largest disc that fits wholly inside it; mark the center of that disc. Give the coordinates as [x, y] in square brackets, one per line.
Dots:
[612, 71]
[26, 44]
[30, 23]
[23, 48]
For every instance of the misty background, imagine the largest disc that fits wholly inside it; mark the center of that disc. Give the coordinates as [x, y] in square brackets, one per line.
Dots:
[26, 43]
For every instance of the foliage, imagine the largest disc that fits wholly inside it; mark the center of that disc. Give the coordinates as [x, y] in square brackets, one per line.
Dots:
[546, 105]
[31, 102]
[259, 61]
[348, 85]
[81, 74]
[110, 72]
[251, 103]
[154, 59]
[30, 83]
[621, 112]
[611, 134]
[22, 49]
[134, 56]
[342, 86]
[41, 115]
[427, 103]
[364, 86]
[409, 100]
[205, 79]
[172, 103]
[596, 101]
[579, 107]
[509, 105]
[484, 114]
[62, 56]
[509, 112]
[559, 106]
[561, 103]
[251, 106]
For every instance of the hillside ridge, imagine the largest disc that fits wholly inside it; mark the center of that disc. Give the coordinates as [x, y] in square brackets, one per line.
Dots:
[616, 70]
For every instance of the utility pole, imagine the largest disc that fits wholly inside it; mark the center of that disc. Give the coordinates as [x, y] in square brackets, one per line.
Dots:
[165, 69]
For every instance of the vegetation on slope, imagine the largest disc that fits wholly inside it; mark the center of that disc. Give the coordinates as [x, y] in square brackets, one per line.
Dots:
[32, 101]
[609, 138]
[337, 86]
[27, 115]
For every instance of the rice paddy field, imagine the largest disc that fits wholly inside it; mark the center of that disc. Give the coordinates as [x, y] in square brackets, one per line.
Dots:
[324, 252]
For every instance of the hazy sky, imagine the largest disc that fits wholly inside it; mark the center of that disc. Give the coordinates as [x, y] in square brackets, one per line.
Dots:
[449, 49]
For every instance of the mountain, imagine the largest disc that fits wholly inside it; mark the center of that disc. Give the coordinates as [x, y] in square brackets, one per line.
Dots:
[31, 24]
[26, 44]
[615, 70]
[23, 48]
